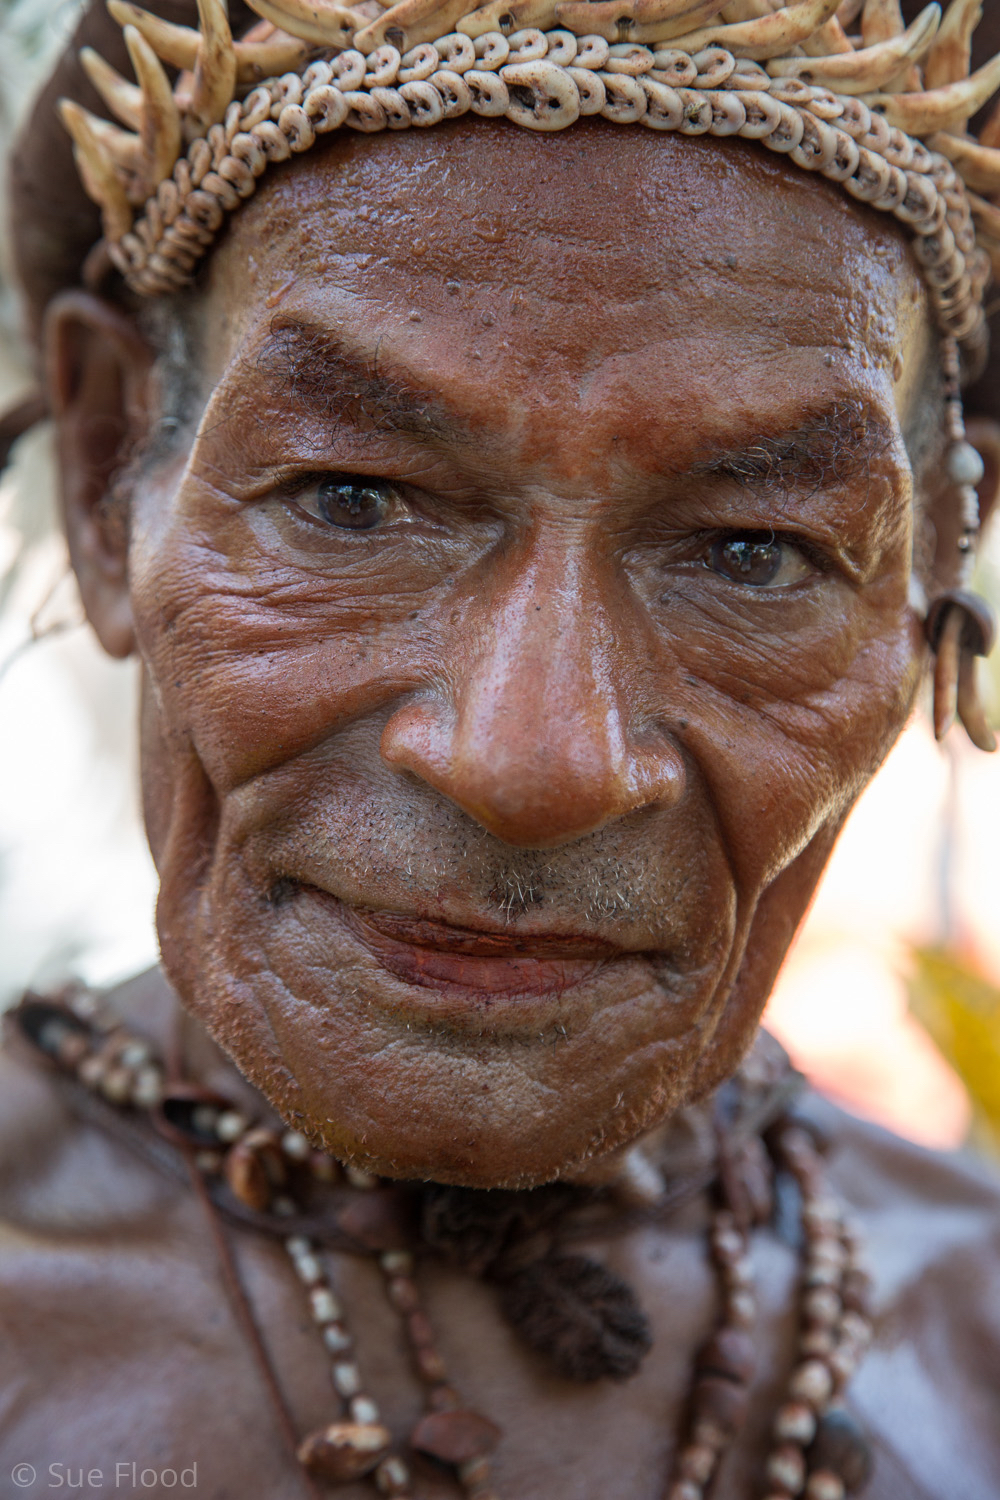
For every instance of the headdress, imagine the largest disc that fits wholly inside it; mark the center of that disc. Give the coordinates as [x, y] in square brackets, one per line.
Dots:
[841, 87]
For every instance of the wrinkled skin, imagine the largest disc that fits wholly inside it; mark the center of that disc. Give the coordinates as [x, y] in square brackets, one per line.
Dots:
[483, 832]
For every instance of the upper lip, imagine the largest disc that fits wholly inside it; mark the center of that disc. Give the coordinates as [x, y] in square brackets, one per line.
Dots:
[444, 937]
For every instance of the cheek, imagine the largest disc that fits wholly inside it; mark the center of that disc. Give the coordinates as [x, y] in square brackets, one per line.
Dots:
[255, 659]
[786, 706]
[785, 759]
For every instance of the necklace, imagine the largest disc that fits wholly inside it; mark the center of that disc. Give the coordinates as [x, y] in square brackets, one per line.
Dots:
[565, 1306]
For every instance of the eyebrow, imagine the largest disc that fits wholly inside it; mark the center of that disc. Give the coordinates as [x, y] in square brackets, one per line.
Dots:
[306, 363]
[347, 385]
[835, 446]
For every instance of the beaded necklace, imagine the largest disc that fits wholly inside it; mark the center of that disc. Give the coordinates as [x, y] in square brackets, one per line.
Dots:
[565, 1305]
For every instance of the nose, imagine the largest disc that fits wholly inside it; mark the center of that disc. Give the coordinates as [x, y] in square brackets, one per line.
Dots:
[535, 741]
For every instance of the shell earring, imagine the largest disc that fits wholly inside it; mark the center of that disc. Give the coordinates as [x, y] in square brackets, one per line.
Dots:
[960, 626]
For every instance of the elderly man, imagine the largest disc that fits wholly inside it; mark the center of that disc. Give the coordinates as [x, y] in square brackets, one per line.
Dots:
[531, 539]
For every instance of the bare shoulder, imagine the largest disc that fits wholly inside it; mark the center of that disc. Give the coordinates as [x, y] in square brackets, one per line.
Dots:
[108, 1287]
[56, 1172]
[68, 1192]
[930, 1387]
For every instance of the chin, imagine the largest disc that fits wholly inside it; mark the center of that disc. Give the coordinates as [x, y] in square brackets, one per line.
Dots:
[452, 1123]
[460, 1050]
[344, 1058]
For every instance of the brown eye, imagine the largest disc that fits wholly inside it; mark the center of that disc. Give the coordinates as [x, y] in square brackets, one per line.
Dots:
[355, 504]
[758, 561]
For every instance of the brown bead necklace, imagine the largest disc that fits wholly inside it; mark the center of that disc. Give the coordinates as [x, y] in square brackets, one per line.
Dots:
[566, 1306]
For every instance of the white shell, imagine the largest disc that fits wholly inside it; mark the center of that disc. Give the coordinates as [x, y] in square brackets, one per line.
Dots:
[965, 465]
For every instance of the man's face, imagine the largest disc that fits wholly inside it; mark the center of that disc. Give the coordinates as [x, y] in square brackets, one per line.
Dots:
[523, 619]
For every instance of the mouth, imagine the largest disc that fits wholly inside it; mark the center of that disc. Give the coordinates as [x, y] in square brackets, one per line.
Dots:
[486, 981]
[467, 962]
[424, 951]
[445, 937]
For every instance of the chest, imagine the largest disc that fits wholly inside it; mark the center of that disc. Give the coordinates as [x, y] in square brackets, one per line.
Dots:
[129, 1364]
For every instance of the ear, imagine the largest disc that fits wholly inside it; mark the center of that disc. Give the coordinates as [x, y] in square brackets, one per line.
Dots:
[984, 435]
[99, 371]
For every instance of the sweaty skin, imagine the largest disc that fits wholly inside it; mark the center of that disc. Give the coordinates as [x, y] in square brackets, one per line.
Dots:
[483, 829]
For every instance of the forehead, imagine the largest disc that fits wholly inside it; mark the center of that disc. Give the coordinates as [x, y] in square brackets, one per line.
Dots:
[596, 254]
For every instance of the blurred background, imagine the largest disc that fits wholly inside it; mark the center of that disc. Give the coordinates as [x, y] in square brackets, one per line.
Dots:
[889, 1000]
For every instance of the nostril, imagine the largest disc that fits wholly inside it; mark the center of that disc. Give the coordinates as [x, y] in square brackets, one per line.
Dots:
[283, 890]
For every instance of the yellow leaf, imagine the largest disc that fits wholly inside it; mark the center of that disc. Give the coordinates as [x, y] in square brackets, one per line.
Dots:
[961, 1011]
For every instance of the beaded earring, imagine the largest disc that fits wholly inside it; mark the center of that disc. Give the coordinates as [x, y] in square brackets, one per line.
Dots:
[961, 625]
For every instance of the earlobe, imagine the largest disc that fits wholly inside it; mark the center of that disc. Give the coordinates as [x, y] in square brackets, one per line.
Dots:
[98, 371]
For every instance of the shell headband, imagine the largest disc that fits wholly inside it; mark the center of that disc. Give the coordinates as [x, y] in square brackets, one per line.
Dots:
[841, 87]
